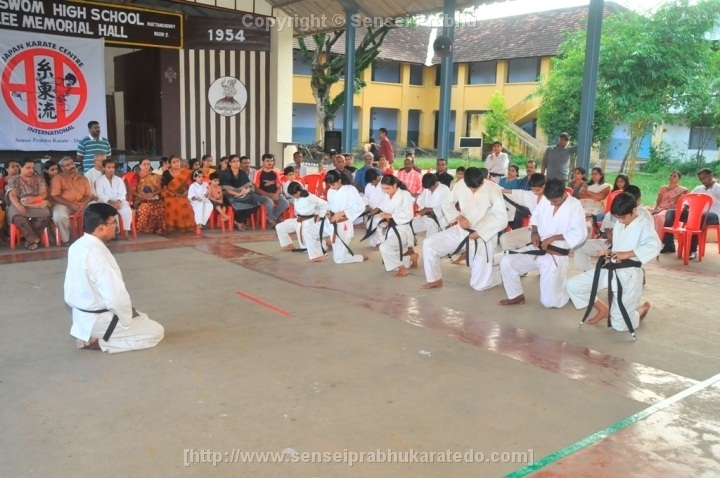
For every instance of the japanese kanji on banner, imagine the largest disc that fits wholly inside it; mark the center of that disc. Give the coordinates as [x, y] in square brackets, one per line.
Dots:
[52, 86]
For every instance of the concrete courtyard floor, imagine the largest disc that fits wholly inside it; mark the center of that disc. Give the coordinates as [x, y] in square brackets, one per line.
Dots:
[264, 352]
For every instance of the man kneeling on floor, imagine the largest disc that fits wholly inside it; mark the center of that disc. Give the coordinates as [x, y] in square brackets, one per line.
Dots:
[103, 316]
[634, 243]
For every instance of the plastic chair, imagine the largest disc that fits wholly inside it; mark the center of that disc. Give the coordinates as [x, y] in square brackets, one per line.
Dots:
[16, 236]
[133, 226]
[701, 244]
[223, 224]
[76, 227]
[131, 181]
[608, 204]
[313, 183]
[697, 204]
[259, 217]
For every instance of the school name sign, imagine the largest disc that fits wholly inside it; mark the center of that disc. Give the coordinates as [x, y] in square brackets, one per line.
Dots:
[118, 25]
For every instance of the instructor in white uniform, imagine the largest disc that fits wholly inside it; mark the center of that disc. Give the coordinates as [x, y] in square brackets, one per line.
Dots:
[103, 316]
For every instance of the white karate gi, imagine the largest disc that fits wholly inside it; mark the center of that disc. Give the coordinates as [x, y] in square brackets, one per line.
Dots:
[640, 237]
[115, 190]
[374, 197]
[346, 199]
[93, 281]
[485, 211]
[586, 256]
[201, 209]
[401, 208]
[435, 200]
[569, 220]
[518, 238]
[304, 206]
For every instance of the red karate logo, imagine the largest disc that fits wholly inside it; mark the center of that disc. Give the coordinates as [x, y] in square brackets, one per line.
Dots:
[44, 88]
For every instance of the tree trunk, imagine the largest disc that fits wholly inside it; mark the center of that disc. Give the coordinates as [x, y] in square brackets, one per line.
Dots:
[637, 132]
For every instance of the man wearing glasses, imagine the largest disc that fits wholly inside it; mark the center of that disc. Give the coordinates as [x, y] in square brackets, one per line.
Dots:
[103, 315]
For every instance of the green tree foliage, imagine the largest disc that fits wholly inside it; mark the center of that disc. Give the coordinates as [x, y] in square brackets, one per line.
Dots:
[648, 64]
[496, 119]
[328, 68]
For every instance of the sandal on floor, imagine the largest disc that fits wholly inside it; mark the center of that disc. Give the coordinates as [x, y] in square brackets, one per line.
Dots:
[31, 246]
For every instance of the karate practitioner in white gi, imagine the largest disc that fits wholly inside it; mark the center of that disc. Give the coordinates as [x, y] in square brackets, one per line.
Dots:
[397, 236]
[373, 198]
[308, 209]
[558, 221]
[634, 238]
[519, 238]
[111, 190]
[95, 291]
[198, 197]
[482, 210]
[344, 206]
[430, 201]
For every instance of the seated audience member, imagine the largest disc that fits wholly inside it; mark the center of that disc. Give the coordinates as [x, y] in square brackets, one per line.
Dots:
[530, 169]
[592, 196]
[411, 157]
[96, 172]
[194, 164]
[175, 182]
[267, 185]
[239, 192]
[349, 163]
[12, 167]
[411, 178]
[442, 174]
[199, 200]
[70, 193]
[149, 207]
[511, 181]
[578, 182]
[430, 217]
[28, 207]
[50, 170]
[360, 173]
[634, 243]
[111, 190]
[164, 165]
[558, 225]
[249, 170]
[216, 197]
[103, 315]
[621, 182]
[459, 175]
[290, 176]
[385, 167]
[710, 187]
[223, 164]
[206, 163]
[300, 168]
[666, 199]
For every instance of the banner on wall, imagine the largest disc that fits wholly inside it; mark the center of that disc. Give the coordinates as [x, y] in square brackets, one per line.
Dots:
[52, 86]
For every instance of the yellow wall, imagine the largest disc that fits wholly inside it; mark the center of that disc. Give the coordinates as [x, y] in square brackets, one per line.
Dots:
[426, 98]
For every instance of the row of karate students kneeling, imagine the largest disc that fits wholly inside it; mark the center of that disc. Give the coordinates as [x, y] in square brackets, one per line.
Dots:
[469, 218]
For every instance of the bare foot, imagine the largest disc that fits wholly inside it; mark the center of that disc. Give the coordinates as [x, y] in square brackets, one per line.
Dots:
[461, 258]
[516, 301]
[432, 285]
[414, 260]
[365, 257]
[602, 314]
[225, 218]
[288, 248]
[93, 344]
[328, 244]
[643, 310]
[318, 259]
[402, 272]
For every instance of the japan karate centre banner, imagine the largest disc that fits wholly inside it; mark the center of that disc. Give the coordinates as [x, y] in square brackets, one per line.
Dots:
[52, 86]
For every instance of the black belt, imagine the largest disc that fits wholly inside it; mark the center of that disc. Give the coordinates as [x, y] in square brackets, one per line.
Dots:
[393, 225]
[603, 263]
[540, 252]
[304, 217]
[496, 175]
[432, 216]
[111, 327]
[466, 243]
[524, 210]
[368, 230]
[334, 234]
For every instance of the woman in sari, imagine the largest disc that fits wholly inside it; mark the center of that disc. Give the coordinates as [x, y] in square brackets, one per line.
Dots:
[175, 183]
[149, 208]
[578, 182]
[28, 207]
[666, 199]
[592, 196]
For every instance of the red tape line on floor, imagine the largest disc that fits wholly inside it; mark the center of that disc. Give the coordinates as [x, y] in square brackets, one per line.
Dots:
[264, 304]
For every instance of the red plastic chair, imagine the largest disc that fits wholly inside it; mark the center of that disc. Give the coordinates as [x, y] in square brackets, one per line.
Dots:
[131, 181]
[16, 236]
[259, 217]
[214, 219]
[608, 204]
[133, 226]
[313, 183]
[701, 244]
[76, 227]
[697, 204]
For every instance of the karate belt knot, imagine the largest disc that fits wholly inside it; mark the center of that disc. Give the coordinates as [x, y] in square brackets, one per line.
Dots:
[432, 216]
[465, 243]
[611, 267]
[392, 225]
[113, 322]
[334, 234]
[558, 251]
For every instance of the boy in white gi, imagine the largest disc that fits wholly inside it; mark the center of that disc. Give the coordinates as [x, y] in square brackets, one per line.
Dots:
[558, 225]
[430, 217]
[635, 242]
[519, 238]
[102, 313]
[482, 215]
[111, 189]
